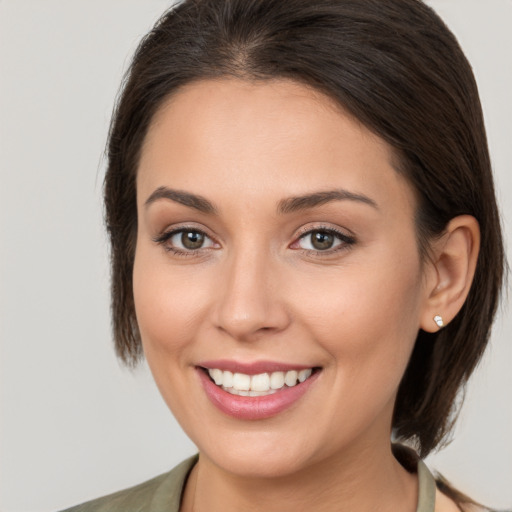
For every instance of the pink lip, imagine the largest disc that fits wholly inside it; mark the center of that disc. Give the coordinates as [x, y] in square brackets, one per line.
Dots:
[253, 368]
[254, 408]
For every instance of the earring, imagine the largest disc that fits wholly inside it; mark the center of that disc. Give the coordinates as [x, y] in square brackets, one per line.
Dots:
[438, 319]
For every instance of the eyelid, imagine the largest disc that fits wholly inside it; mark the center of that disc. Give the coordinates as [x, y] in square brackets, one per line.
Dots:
[346, 239]
[344, 232]
[167, 234]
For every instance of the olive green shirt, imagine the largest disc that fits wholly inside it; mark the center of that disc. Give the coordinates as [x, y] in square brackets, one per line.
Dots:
[163, 493]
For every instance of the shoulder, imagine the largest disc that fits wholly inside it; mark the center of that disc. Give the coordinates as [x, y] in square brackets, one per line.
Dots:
[161, 492]
[450, 499]
[434, 493]
[445, 504]
[137, 497]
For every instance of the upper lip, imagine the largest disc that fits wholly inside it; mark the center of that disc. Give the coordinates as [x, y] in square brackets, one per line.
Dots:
[252, 368]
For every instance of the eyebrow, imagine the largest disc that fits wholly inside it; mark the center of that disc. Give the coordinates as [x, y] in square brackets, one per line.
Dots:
[294, 204]
[289, 205]
[185, 198]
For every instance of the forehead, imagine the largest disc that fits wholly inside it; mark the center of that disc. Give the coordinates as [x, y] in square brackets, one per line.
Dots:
[272, 137]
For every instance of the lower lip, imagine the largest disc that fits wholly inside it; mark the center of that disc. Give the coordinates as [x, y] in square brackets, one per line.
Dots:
[257, 407]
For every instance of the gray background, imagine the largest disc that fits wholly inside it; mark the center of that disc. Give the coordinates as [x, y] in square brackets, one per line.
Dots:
[74, 424]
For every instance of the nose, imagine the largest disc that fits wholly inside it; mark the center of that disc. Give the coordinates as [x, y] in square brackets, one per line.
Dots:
[250, 300]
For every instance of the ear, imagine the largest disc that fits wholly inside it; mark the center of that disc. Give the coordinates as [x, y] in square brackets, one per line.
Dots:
[451, 269]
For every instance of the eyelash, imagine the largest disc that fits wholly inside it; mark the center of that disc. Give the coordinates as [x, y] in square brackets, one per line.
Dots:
[165, 237]
[346, 241]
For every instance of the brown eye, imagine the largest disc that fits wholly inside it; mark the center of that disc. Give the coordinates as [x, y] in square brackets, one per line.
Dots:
[192, 240]
[182, 241]
[322, 240]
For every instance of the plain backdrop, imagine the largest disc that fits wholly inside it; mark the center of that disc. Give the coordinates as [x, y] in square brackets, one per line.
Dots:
[74, 424]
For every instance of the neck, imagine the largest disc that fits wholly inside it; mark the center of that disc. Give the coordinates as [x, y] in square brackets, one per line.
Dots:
[362, 480]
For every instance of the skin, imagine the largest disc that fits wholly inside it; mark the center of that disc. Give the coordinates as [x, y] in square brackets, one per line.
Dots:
[256, 290]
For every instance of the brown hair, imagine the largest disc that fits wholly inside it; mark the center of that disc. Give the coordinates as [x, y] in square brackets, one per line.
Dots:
[393, 65]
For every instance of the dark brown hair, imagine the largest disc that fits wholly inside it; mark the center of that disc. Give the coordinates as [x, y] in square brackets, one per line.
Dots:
[393, 65]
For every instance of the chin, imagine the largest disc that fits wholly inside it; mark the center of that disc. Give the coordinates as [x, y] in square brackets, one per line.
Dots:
[260, 451]
[257, 463]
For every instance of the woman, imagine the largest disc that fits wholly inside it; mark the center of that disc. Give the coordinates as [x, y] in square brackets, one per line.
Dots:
[305, 247]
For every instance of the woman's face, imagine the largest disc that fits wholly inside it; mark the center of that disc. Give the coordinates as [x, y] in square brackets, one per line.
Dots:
[274, 236]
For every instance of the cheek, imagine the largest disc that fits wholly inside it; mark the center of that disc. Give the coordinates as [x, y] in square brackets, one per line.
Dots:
[368, 317]
[167, 303]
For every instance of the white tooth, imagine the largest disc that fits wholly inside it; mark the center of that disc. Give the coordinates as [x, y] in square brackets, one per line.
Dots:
[260, 382]
[290, 378]
[304, 374]
[277, 380]
[216, 375]
[227, 379]
[242, 392]
[241, 381]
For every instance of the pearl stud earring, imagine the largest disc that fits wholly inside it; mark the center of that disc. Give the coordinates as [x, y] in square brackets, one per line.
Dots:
[438, 319]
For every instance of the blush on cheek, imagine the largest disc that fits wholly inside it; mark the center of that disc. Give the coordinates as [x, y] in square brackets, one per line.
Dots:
[169, 305]
[375, 324]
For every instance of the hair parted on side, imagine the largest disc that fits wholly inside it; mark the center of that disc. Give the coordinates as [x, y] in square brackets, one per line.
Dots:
[394, 66]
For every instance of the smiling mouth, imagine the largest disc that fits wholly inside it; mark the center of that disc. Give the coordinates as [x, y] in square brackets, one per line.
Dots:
[262, 384]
